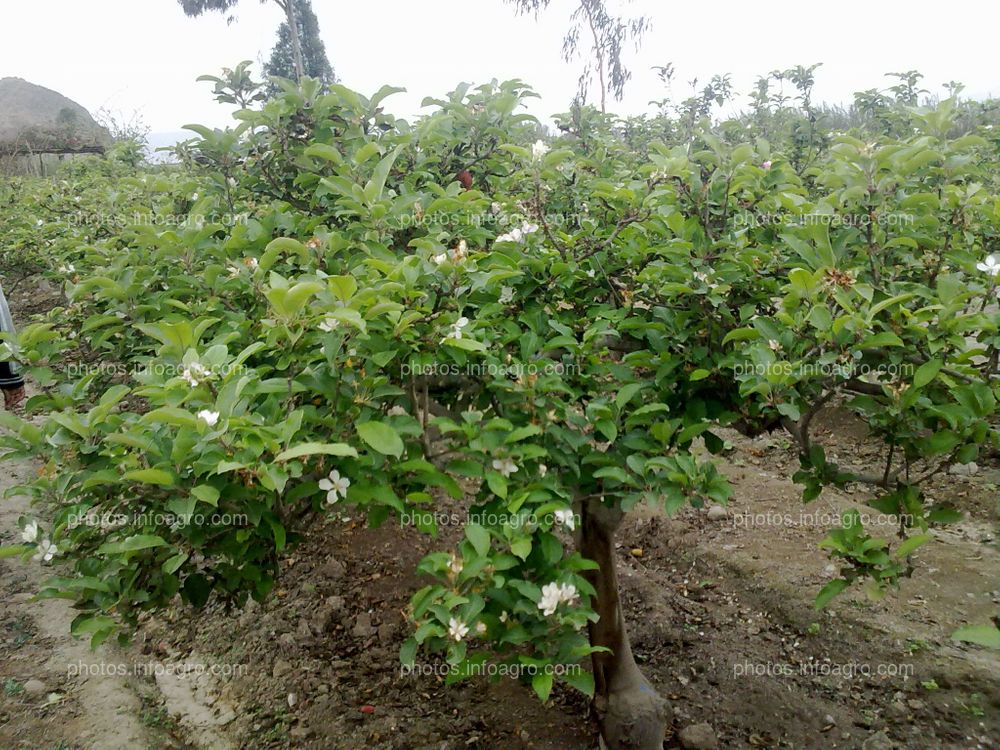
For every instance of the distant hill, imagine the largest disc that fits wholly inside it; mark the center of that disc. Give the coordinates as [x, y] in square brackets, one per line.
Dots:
[36, 118]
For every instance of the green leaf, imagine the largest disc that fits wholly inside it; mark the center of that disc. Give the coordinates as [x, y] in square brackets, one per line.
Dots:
[465, 344]
[829, 591]
[207, 494]
[479, 537]
[582, 680]
[408, 652]
[927, 372]
[326, 449]
[171, 565]
[523, 432]
[497, 484]
[132, 544]
[911, 544]
[981, 635]
[521, 547]
[612, 472]
[277, 247]
[151, 476]
[14, 551]
[381, 437]
[542, 684]
[626, 393]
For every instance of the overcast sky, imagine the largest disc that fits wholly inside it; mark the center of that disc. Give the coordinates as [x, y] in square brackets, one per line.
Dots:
[144, 55]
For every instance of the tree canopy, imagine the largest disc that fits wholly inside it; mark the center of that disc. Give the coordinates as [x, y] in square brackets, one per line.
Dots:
[314, 60]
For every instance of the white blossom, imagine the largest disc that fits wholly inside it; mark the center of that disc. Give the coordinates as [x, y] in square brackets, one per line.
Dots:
[210, 418]
[991, 265]
[335, 486]
[503, 616]
[481, 628]
[456, 329]
[567, 593]
[195, 373]
[542, 470]
[455, 565]
[505, 466]
[457, 629]
[329, 324]
[506, 295]
[30, 532]
[775, 345]
[46, 551]
[518, 234]
[551, 597]
[539, 149]
[514, 235]
[397, 411]
[66, 269]
[565, 517]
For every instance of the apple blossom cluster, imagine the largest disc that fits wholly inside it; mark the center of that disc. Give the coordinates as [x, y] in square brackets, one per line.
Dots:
[518, 234]
[554, 594]
[45, 549]
[195, 374]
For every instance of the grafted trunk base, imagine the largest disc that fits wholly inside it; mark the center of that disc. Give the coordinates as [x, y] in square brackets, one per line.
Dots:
[631, 714]
[633, 717]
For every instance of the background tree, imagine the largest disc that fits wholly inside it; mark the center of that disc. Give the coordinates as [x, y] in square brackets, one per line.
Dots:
[195, 8]
[608, 34]
[314, 60]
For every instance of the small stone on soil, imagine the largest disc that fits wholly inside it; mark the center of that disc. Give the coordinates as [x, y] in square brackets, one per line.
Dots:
[699, 737]
[281, 668]
[717, 513]
[964, 470]
[35, 687]
[878, 741]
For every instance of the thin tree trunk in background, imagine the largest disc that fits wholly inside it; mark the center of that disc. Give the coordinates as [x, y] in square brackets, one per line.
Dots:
[293, 29]
[631, 714]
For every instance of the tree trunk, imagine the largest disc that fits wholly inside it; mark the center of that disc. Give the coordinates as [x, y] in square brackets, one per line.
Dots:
[293, 29]
[631, 714]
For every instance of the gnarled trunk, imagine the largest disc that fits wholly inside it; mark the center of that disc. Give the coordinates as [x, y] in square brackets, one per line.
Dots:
[631, 714]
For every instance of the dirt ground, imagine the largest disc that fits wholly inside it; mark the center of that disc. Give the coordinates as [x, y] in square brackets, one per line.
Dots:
[719, 608]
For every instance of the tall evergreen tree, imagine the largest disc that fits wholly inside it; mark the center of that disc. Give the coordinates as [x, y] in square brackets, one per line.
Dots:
[196, 8]
[314, 60]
